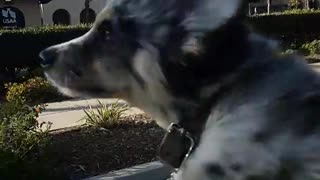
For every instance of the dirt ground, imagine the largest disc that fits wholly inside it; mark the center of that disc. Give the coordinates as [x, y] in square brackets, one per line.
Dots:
[86, 151]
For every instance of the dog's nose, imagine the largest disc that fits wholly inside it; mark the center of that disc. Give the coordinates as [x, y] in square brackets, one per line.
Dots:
[48, 57]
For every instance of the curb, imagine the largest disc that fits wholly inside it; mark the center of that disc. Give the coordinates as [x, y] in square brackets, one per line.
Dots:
[316, 65]
[155, 170]
[79, 104]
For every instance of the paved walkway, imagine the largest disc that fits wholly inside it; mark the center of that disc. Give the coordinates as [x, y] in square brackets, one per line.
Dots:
[316, 66]
[156, 170]
[68, 113]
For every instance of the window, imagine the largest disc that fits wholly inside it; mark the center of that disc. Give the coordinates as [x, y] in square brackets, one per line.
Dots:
[87, 16]
[44, 1]
[61, 17]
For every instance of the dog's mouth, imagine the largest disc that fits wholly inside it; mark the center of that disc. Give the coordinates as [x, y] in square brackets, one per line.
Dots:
[75, 83]
[74, 71]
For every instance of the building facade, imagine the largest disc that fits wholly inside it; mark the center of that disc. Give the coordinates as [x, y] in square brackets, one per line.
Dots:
[70, 12]
[19, 13]
[260, 6]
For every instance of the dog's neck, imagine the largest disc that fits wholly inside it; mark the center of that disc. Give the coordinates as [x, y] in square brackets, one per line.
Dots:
[192, 78]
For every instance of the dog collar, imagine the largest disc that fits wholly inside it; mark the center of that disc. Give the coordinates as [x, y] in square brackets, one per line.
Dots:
[182, 138]
[176, 146]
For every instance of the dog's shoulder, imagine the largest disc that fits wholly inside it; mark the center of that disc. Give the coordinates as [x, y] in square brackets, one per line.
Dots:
[298, 110]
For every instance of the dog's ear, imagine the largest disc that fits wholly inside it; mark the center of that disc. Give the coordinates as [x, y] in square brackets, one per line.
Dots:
[207, 15]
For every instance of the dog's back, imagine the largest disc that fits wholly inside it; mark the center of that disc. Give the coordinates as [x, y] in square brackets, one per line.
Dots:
[267, 127]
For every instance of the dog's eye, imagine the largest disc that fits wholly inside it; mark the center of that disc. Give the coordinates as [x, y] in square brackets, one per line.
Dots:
[105, 29]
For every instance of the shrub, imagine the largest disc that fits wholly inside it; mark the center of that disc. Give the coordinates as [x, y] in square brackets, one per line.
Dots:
[22, 140]
[20, 131]
[292, 26]
[33, 91]
[294, 11]
[29, 42]
[294, 3]
[289, 26]
[311, 48]
[105, 115]
[23, 74]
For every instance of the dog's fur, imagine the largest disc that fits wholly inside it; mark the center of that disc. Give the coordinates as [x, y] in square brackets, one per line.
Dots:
[169, 57]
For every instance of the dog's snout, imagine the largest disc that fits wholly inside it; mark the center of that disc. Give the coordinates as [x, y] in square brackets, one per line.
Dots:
[48, 57]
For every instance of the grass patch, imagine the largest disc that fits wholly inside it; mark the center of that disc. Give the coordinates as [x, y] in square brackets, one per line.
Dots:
[104, 115]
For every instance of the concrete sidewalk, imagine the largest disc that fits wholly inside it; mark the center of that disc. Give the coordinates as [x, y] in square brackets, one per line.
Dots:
[316, 66]
[154, 170]
[68, 113]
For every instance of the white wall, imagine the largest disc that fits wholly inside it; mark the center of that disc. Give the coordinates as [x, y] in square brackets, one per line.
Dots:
[74, 7]
[274, 2]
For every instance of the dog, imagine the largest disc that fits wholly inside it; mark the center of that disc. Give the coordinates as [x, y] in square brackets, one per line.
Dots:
[246, 111]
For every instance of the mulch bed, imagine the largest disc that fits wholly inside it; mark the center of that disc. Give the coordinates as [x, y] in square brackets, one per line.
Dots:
[86, 151]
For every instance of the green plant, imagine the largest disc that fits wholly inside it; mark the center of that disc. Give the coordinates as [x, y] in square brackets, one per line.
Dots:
[311, 48]
[288, 26]
[293, 11]
[291, 26]
[33, 91]
[105, 115]
[23, 74]
[294, 3]
[22, 139]
[288, 51]
[30, 41]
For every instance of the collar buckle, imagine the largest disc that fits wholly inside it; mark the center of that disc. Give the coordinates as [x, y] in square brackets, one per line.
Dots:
[176, 146]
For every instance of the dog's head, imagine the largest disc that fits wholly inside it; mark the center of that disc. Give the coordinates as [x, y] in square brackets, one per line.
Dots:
[131, 44]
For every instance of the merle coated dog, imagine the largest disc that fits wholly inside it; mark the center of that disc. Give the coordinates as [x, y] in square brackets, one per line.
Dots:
[246, 111]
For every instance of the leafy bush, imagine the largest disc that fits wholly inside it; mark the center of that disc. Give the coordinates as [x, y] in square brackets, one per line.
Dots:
[33, 91]
[294, 3]
[292, 26]
[20, 131]
[22, 140]
[288, 51]
[307, 49]
[30, 41]
[299, 11]
[294, 11]
[23, 74]
[288, 26]
[105, 115]
[311, 48]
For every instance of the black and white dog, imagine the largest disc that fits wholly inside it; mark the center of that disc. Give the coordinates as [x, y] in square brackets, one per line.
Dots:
[234, 106]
